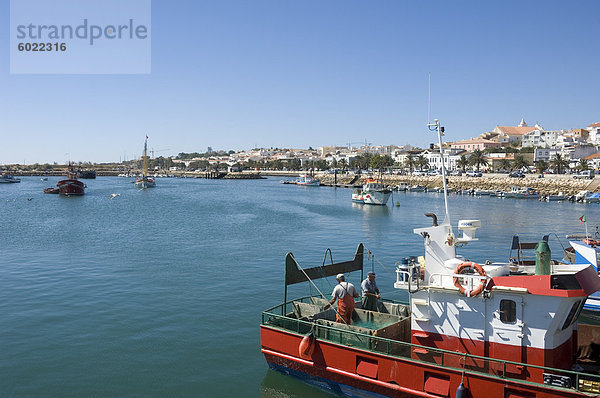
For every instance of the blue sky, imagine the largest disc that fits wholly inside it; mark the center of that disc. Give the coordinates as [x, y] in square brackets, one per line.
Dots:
[280, 73]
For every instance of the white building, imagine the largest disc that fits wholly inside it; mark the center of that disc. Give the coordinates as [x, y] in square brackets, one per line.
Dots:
[594, 137]
[541, 138]
[435, 159]
[547, 154]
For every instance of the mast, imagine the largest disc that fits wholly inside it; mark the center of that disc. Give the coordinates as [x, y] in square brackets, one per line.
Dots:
[145, 158]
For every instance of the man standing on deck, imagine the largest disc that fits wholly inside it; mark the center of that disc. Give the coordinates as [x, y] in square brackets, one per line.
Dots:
[345, 293]
[370, 292]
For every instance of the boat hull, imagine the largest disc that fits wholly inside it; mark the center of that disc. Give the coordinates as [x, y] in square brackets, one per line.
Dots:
[376, 197]
[354, 372]
[71, 187]
[309, 184]
[145, 183]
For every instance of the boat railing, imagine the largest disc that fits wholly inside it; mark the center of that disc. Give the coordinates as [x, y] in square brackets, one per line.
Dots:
[468, 281]
[403, 350]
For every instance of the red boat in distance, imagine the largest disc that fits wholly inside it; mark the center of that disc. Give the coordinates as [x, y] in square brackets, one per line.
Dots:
[71, 186]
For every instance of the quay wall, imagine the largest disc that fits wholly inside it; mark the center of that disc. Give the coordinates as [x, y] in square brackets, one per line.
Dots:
[549, 185]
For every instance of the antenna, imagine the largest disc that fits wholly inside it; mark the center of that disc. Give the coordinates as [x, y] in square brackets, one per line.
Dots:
[439, 129]
[429, 102]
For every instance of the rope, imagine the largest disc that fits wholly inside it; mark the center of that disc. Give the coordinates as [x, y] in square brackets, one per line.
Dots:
[370, 254]
[320, 292]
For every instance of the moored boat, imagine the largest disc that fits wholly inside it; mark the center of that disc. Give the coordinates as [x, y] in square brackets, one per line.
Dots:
[145, 181]
[593, 198]
[555, 197]
[308, 180]
[51, 190]
[86, 174]
[8, 179]
[71, 185]
[522, 193]
[373, 193]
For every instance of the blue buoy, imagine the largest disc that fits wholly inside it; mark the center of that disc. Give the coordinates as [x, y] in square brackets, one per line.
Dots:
[461, 391]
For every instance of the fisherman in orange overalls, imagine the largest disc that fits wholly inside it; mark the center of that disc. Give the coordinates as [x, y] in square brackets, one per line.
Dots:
[345, 293]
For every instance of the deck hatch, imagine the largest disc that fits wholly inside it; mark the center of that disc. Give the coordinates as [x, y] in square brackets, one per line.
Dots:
[437, 384]
[366, 367]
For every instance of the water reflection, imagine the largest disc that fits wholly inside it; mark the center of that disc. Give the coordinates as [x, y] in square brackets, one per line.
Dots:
[277, 385]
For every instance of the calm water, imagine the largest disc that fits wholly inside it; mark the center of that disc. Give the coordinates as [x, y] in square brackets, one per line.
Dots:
[160, 292]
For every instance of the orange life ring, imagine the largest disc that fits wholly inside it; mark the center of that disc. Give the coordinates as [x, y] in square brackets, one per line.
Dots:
[461, 267]
[591, 242]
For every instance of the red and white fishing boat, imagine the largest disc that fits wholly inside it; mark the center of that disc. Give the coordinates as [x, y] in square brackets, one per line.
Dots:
[469, 330]
[71, 185]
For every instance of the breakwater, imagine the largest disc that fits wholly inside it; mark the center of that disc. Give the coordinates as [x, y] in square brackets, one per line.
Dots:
[549, 185]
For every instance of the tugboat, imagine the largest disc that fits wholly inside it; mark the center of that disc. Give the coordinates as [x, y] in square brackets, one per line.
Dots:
[71, 185]
[470, 330]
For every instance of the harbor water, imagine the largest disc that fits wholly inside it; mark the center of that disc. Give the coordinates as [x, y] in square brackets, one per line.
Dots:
[159, 292]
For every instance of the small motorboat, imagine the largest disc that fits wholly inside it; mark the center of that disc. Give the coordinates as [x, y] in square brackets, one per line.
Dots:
[8, 179]
[308, 181]
[51, 190]
[555, 198]
[593, 198]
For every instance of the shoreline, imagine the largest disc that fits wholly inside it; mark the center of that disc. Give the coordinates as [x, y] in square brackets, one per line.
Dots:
[551, 184]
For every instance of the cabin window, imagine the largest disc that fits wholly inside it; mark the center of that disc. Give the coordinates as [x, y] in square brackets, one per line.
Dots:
[574, 311]
[508, 311]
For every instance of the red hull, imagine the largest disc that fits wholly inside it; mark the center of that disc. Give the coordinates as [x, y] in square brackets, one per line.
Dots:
[388, 375]
[71, 187]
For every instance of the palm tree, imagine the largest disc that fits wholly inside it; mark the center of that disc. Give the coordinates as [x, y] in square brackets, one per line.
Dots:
[583, 165]
[559, 163]
[463, 162]
[410, 163]
[478, 159]
[541, 166]
[520, 162]
[342, 163]
[505, 164]
[422, 162]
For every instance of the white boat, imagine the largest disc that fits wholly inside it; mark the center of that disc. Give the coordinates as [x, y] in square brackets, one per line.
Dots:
[374, 193]
[483, 192]
[145, 181]
[8, 179]
[416, 188]
[308, 180]
[522, 193]
[402, 187]
[554, 198]
[580, 197]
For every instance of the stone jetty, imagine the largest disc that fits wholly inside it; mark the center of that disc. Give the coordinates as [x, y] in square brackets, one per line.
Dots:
[549, 185]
